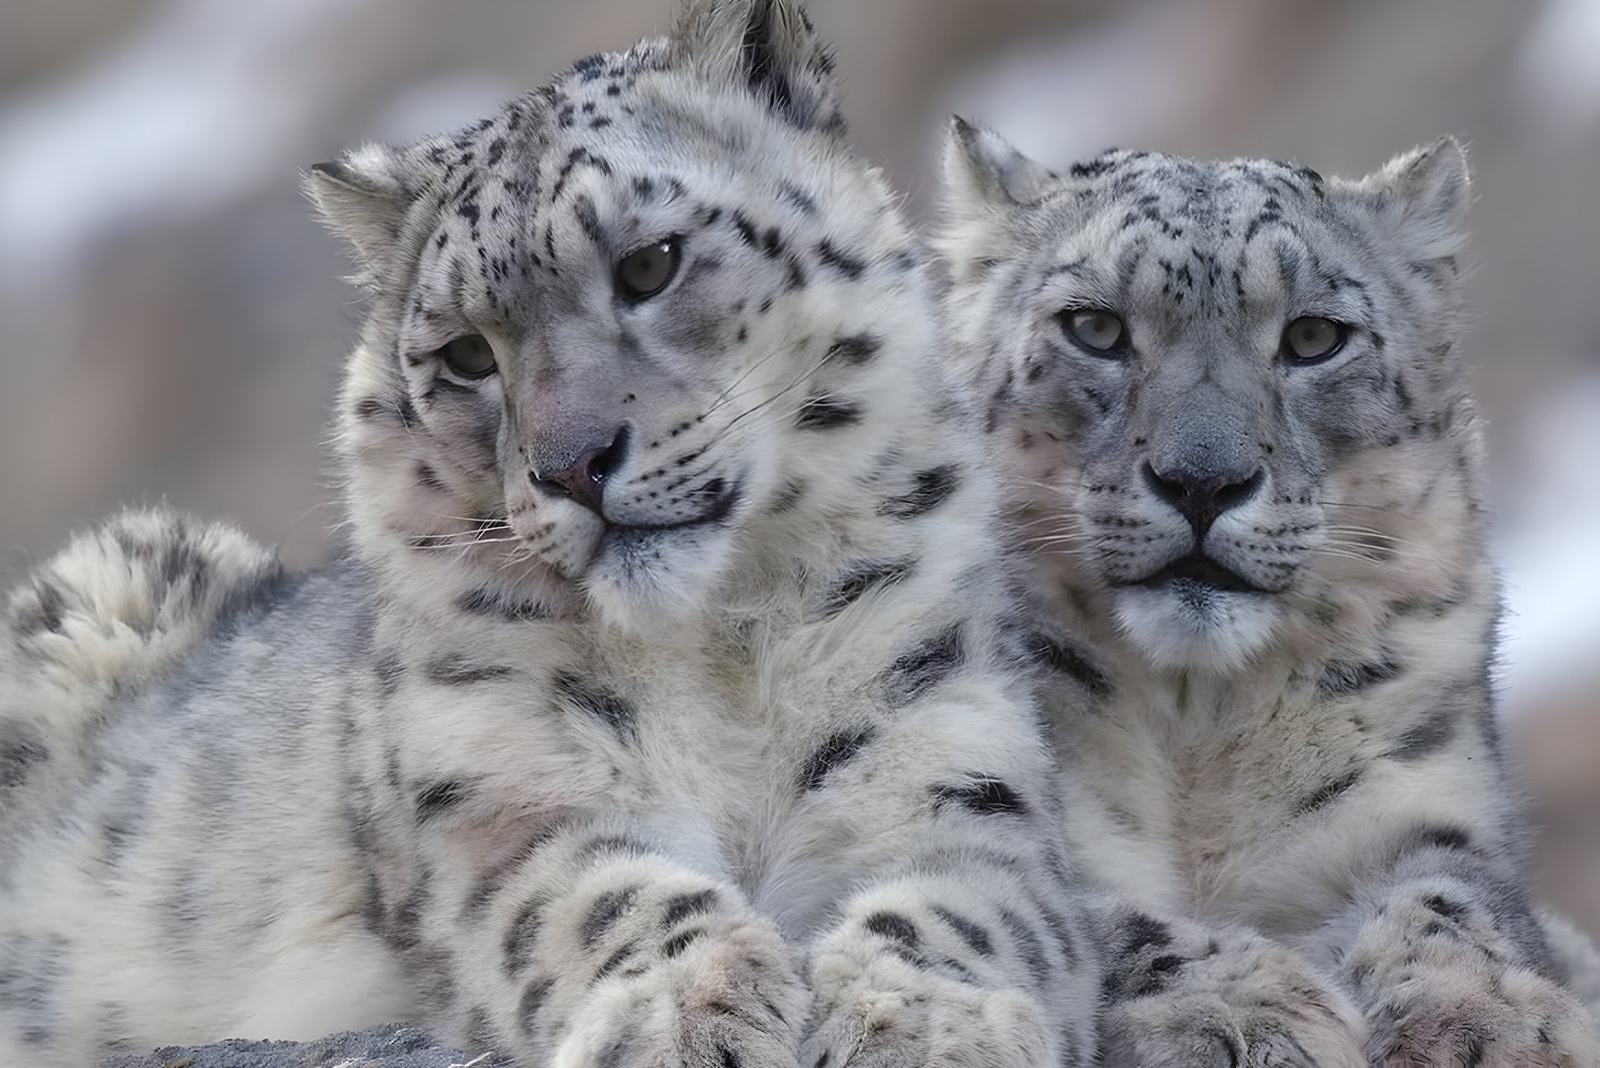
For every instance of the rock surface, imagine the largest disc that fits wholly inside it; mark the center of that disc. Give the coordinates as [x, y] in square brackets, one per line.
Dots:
[391, 1046]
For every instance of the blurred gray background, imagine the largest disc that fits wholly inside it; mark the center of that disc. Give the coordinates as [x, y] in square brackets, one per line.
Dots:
[172, 320]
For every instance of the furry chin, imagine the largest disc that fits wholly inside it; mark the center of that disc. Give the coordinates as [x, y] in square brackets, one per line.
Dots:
[1184, 626]
[641, 579]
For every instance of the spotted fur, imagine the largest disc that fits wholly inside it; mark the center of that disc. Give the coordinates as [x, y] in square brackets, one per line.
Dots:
[665, 709]
[1276, 568]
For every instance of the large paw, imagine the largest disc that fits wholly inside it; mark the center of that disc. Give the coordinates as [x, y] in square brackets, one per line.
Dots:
[1438, 989]
[1225, 998]
[728, 999]
[878, 1010]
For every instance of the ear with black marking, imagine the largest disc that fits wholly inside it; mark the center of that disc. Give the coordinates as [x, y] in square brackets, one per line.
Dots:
[365, 195]
[768, 46]
[985, 181]
[981, 167]
[1425, 194]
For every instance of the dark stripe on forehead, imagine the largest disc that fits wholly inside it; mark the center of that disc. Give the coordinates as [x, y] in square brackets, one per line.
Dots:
[1289, 264]
[588, 218]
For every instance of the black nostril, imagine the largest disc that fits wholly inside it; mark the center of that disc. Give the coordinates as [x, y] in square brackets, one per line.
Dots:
[1168, 490]
[1234, 494]
[1201, 499]
[585, 480]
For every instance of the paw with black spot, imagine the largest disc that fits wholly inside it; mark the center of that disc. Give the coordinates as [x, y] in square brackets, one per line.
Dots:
[691, 982]
[1182, 997]
[1438, 986]
[731, 1002]
[883, 1004]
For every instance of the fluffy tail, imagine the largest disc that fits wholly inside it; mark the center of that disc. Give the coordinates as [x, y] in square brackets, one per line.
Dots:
[118, 606]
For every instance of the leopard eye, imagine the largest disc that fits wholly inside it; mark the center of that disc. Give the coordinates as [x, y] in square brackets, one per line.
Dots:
[1312, 339]
[469, 357]
[1098, 331]
[644, 272]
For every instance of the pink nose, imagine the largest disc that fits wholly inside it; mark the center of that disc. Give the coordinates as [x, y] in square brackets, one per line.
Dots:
[585, 480]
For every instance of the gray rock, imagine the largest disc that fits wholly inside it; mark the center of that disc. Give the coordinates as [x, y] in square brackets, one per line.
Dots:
[390, 1046]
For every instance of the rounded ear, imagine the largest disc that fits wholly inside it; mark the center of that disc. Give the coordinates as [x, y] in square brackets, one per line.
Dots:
[981, 167]
[365, 195]
[768, 46]
[1425, 194]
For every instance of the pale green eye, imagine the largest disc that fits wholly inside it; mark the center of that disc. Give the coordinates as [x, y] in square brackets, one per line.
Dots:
[646, 271]
[469, 357]
[1099, 331]
[1311, 338]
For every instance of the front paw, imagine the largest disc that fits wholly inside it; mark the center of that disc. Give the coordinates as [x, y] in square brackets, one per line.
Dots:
[727, 1001]
[1231, 998]
[724, 999]
[1438, 989]
[882, 1010]
[1441, 1012]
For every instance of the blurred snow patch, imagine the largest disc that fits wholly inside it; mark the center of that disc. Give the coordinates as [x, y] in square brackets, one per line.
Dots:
[440, 105]
[1557, 71]
[1120, 83]
[1549, 547]
[193, 111]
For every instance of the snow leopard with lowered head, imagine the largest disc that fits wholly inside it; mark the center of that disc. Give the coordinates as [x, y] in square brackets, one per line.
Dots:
[667, 709]
[1242, 444]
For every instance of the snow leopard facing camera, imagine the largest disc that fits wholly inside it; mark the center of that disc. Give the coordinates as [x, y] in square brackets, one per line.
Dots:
[1243, 449]
[667, 709]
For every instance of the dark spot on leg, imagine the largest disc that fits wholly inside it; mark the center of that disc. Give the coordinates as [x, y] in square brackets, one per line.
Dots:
[831, 754]
[787, 497]
[675, 945]
[856, 349]
[521, 936]
[18, 753]
[616, 712]
[613, 962]
[682, 906]
[1342, 678]
[1435, 838]
[533, 997]
[456, 670]
[893, 926]
[986, 797]
[1029, 946]
[1063, 659]
[1327, 794]
[1142, 931]
[916, 672]
[1429, 736]
[827, 413]
[971, 933]
[930, 489]
[486, 602]
[481, 1034]
[437, 797]
[857, 581]
[389, 671]
[608, 908]
[849, 266]
[1454, 911]
[429, 478]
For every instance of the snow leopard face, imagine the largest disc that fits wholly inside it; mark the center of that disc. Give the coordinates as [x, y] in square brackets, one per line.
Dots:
[1223, 378]
[618, 322]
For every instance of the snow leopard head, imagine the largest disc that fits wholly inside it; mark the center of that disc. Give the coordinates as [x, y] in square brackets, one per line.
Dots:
[1229, 388]
[625, 318]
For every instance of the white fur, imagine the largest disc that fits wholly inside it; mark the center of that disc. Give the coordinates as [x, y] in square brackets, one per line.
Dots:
[1310, 763]
[735, 760]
